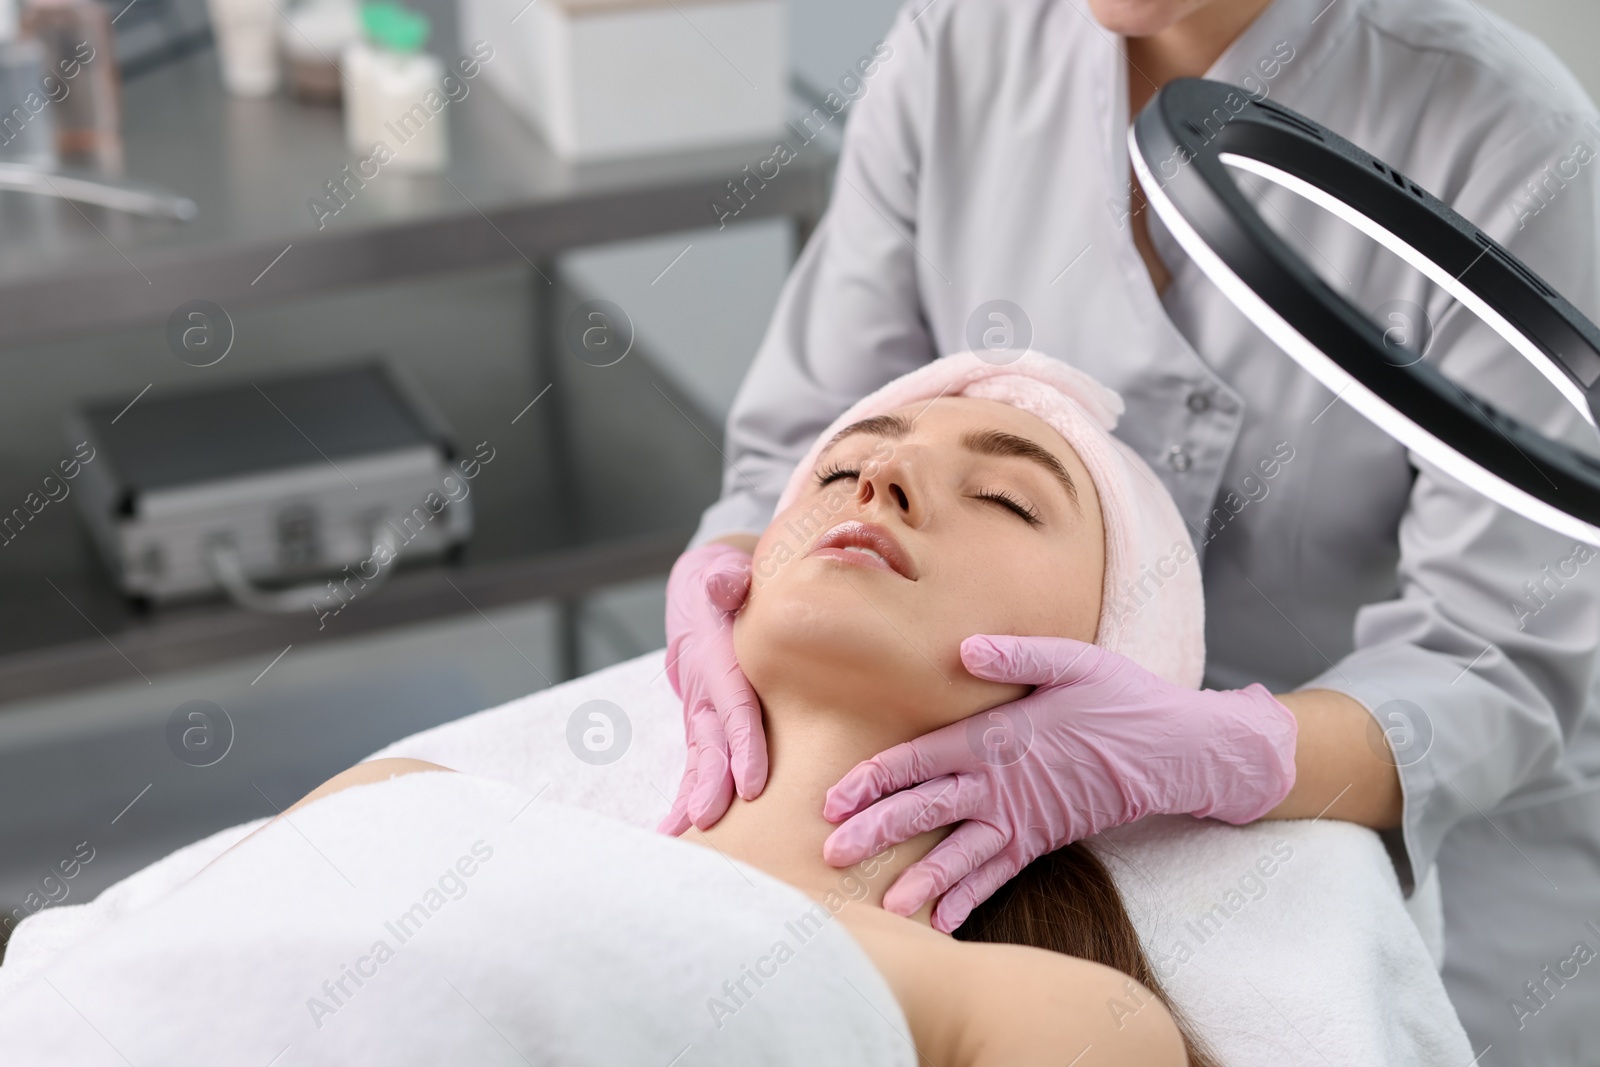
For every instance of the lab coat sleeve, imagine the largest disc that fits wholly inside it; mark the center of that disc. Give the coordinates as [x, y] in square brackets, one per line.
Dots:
[849, 318]
[1480, 668]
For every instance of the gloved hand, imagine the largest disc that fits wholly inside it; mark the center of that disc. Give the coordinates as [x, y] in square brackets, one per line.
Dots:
[721, 714]
[1100, 742]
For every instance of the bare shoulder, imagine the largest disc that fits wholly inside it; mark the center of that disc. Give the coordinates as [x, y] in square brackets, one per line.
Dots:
[972, 1004]
[377, 770]
[1029, 1005]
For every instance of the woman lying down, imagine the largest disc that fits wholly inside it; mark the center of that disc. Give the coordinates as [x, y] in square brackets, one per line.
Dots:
[984, 500]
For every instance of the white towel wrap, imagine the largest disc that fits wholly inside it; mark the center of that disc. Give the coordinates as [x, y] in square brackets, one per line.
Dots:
[445, 918]
[1322, 967]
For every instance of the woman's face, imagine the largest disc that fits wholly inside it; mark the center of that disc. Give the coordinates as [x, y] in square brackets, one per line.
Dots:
[916, 530]
[1145, 18]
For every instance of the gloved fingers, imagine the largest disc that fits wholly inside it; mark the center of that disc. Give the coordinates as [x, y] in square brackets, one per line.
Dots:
[702, 726]
[1030, 660]
[676, 820]
[714, 789]
[676, 647]
[976, 888]
[703, 658]
[948, 750]
[706, 583]
[740, 712]
[728, 583]
[898, 818]
[972, 845]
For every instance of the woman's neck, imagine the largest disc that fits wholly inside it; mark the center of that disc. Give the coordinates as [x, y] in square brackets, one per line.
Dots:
[810, 747]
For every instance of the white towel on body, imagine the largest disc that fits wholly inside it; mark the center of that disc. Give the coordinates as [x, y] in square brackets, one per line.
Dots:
[446, 918]
[1286, 943]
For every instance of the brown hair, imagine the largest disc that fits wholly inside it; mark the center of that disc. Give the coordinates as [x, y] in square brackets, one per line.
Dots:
[1066, 901]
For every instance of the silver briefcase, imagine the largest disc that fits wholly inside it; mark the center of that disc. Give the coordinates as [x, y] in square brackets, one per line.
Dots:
[332, 474]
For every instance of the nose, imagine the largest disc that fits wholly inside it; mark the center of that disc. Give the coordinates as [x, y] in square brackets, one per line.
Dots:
[894, 484]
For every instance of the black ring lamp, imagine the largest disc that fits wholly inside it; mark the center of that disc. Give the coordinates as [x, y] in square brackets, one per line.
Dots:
[1183, 145]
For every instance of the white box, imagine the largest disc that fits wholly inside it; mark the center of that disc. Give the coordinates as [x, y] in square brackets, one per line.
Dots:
[606, 78]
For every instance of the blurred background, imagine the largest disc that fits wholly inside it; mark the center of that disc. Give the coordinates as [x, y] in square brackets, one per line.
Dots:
[534, 241]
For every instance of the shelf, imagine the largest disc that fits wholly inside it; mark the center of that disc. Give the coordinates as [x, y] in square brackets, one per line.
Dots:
[175, 638]
[603, 486]
[254, 166]
[606, 478]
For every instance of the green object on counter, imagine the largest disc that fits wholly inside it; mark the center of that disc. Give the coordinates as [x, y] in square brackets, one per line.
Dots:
[394, 26]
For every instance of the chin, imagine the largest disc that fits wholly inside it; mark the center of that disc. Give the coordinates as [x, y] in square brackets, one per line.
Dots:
[1140, 18]
[814, 637]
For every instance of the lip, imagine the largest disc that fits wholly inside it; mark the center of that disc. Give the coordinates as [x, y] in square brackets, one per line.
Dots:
[865, 544]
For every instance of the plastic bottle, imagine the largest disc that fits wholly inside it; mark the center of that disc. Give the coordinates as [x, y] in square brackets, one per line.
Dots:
[394, 103]
[27, 123]
[247, 45]
[312, 38]
[79, 55]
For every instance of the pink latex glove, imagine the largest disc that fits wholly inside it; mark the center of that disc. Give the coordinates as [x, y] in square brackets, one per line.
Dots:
[721, 715]
[1100, 742]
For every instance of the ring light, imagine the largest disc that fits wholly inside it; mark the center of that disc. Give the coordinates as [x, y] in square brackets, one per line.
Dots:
[1183, 144]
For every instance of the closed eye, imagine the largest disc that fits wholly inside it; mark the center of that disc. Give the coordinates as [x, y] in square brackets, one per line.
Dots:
[831, 474]
[1012, 504]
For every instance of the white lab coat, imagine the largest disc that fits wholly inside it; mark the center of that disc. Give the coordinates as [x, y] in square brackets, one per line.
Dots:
[986, 160]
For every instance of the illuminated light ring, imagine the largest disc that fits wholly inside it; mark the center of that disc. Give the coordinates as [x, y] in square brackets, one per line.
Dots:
[1200, 129]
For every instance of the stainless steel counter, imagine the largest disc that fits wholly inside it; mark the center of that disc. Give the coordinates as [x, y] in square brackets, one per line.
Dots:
[252, 166]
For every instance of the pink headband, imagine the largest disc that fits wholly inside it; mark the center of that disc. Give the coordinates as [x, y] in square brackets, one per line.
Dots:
[1152, 610]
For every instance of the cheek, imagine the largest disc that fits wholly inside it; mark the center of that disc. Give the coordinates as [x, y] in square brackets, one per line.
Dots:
[1076, 613]
[1023, 585]
[792, 531]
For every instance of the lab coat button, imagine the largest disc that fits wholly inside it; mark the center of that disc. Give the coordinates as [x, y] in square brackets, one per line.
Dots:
[1199, 403]
[1178, 458]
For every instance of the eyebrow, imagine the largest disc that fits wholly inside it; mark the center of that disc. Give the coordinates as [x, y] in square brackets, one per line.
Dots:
[894, 426]
[983, 442]
[1000, 443]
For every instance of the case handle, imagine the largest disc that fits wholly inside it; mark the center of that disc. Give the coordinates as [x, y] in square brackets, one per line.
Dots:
[222, 559]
